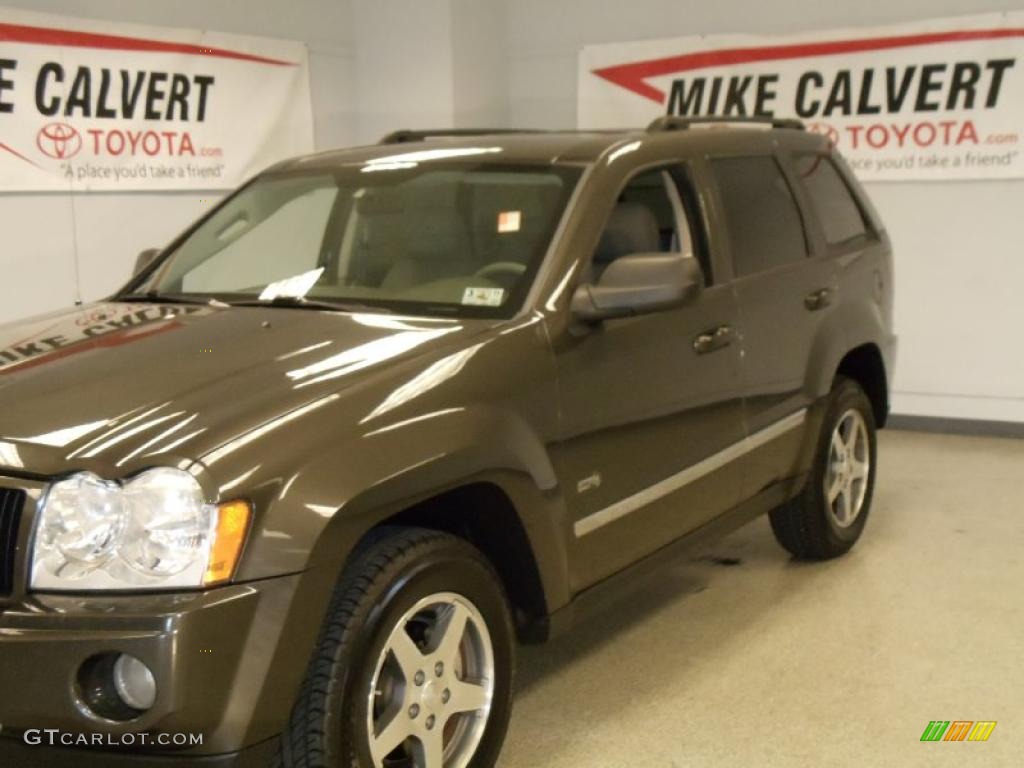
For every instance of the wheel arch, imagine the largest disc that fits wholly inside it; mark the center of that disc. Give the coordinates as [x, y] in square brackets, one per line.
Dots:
[502, 512]
[852, 341]
[499, 534]
[864, 364]
[517, 523]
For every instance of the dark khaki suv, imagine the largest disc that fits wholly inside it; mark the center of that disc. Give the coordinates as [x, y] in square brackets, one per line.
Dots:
[293, 494]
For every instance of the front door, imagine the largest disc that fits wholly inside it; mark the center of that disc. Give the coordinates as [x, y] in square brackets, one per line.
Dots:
[648, 403]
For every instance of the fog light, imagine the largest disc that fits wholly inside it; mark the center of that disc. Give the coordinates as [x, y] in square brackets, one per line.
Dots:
[134, 682]
[115, 686]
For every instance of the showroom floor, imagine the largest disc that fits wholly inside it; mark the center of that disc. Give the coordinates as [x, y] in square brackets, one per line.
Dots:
[776, 663]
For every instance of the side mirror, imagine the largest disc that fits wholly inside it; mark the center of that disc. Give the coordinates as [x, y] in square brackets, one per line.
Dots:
[144, 259]
[639, 284]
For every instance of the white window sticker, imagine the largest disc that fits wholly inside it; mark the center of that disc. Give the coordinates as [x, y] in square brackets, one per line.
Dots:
[483, 297]
[509, 221]
[294, 287]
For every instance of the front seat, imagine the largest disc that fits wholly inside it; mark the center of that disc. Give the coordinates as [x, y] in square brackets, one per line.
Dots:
[438, 243]
[631, 228]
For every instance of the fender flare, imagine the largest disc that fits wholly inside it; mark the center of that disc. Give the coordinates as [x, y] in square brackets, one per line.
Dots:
[850, 325]
[480, 445]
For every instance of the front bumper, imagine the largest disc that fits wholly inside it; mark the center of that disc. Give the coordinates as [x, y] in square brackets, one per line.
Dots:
[212, 653]
[228, 662]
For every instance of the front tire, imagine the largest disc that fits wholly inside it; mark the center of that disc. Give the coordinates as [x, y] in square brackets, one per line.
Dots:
[414, 665]
[829, 515]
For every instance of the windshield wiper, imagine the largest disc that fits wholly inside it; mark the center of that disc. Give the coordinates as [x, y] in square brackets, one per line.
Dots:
[154, 297]
[297, 302]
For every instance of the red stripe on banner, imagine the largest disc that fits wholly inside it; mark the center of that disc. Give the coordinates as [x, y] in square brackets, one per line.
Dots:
[16, 33]
[633, 76]
[16, 153]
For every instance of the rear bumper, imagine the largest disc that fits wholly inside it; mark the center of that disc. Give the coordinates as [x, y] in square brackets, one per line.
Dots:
[215, 656]
[890, 348]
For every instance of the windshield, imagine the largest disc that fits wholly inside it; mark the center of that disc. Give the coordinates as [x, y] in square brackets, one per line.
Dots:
[409, 236]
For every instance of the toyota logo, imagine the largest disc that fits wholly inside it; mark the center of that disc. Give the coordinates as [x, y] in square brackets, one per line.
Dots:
[825, 130]
[59, 141]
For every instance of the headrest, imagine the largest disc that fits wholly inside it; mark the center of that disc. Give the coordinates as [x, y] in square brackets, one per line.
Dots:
[631, 228]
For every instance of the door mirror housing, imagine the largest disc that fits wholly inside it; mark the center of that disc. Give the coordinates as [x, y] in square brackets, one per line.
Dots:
[144, 259]
[639, 284]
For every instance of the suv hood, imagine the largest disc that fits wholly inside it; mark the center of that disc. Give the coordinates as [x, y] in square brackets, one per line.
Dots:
[111, 386]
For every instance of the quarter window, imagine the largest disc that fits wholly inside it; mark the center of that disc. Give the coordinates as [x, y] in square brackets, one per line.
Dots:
[839, 213]
[763, 222]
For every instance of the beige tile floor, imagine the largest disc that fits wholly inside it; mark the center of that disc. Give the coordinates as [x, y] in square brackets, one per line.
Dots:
[777, 663]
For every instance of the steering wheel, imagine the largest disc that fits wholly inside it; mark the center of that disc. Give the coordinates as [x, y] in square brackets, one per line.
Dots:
[498, 269]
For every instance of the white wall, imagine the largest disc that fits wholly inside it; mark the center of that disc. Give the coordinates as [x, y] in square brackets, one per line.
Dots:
[480, 62]
[404, 66]
[959, 245]
[41, 234]
[428, 64]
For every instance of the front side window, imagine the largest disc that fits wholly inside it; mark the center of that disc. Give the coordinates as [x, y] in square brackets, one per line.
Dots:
[839, 213]
[647, 218]
[763, 222]
[416, 237]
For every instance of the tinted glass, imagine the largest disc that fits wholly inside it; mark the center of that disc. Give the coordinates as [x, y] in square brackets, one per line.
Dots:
[414, 235]
[839, 213]
[764, 225]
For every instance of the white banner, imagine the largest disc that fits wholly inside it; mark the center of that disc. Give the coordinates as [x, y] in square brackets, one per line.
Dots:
[88, 105]
[939, 99]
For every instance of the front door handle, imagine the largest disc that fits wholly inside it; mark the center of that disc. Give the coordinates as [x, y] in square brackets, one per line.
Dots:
[716, 338]
[818, 299]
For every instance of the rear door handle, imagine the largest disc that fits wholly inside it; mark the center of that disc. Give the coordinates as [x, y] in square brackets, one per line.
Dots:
[818, 299]
[716, 338]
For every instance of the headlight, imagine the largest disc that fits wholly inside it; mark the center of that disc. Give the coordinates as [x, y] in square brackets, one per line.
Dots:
[155, 531]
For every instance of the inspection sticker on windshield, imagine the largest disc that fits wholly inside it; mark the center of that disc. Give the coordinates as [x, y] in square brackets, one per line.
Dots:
[509, 221]
[483, 297]
[295, 287]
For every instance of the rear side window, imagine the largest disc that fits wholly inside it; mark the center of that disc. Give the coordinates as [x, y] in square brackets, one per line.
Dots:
[763, 222]
[841, 217]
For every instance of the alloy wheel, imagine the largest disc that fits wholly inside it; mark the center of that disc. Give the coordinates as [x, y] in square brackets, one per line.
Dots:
[849, 468]
[431, 692]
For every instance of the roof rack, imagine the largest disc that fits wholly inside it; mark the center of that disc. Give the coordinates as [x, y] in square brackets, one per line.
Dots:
[406, 136]
[671, 123]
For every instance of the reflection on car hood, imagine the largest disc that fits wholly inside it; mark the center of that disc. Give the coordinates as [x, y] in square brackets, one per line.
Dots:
[110, 386]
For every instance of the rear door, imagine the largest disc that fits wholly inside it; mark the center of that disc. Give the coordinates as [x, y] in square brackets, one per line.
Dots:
[785, 289]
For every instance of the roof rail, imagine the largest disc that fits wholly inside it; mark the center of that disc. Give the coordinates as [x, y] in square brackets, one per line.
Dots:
[406, 135]
[671, 123]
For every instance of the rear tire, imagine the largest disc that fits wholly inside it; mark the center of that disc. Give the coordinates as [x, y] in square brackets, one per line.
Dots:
[829, 515]
[414, 664]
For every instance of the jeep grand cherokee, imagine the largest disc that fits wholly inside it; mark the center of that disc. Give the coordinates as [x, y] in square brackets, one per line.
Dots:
[302, 484]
